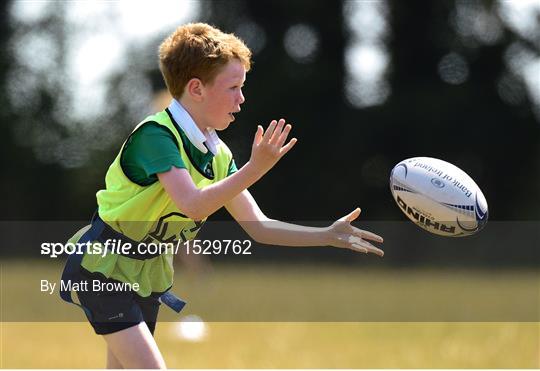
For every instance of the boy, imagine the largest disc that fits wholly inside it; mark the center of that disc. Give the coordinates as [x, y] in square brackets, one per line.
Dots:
[170, 175]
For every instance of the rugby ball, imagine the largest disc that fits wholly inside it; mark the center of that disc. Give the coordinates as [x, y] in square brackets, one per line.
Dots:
[439, 197]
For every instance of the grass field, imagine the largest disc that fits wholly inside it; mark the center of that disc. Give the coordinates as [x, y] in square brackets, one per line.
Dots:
[291, 345]
[303, 344]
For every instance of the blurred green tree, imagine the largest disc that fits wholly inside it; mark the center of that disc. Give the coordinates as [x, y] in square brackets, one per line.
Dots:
[451, 85]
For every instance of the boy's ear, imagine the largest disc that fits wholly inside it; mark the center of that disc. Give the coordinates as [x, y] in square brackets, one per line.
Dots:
[194, 88]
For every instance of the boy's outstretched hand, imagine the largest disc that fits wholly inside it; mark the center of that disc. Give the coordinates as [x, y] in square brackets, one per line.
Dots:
[343, 234]
[269, 147]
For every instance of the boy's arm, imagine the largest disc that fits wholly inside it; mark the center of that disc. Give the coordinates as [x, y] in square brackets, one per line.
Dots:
[245, 210]
[267, 149]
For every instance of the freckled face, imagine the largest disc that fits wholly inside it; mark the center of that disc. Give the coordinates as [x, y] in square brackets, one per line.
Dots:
[222, 98]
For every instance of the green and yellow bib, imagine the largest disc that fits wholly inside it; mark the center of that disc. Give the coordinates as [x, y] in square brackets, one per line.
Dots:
[147, 214]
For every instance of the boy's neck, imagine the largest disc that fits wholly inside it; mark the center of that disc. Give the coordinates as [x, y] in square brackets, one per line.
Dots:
[193, 113]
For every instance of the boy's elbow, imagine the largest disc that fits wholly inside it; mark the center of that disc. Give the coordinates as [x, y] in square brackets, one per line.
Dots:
[193, 213]
[198, 216]
[264, 239]
[255, 237]
[256, 233]
[191, 207]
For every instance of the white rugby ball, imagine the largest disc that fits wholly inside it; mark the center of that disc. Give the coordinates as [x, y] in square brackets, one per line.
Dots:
[438, 196]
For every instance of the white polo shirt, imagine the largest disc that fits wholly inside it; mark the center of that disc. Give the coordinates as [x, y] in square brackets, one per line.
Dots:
[192, 131]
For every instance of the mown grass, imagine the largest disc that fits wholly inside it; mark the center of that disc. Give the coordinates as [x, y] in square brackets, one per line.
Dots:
[291, 316]
[291, 345]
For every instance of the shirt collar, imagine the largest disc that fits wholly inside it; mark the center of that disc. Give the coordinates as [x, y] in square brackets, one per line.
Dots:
[202, 141]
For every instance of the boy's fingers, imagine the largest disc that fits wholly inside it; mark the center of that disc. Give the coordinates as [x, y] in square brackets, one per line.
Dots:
[367, 235]
[351, 216]
[283, 136]
[288, 147]
[358, 248]
[357, 242]
[258, 135]
[269, 131]
[277, 131]
[374, 250]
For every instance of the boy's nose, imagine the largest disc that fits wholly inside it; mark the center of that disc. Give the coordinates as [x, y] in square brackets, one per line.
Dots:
[242, 99]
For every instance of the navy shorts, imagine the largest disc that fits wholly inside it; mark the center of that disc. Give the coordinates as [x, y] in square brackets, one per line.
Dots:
[113, 311]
